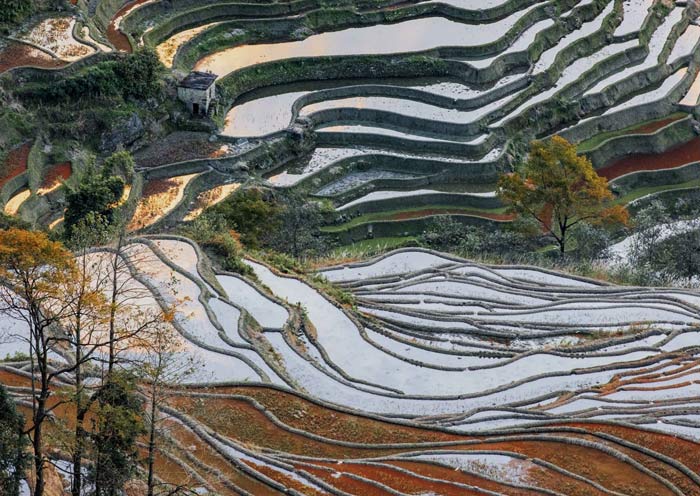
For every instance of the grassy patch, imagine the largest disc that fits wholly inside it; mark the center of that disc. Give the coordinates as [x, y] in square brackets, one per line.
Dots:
[635, 194]
[405, 214]
[641, 128]
[361, 249]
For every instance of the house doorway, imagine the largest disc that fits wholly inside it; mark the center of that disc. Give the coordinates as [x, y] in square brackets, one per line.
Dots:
[195, 108]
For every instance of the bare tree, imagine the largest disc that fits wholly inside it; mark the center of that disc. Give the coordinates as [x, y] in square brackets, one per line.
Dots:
[35, 272]
[109, 332]
[166, 364]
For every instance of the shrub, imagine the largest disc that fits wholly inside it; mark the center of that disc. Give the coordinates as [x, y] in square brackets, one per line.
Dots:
[97, 193]
[14, 10]
[13, 456]
[136, 75]
[210, 232]
[252, 212]
[139, 74]
[447, 234]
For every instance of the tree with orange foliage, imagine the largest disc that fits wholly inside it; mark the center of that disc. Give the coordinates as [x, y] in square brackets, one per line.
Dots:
[34, 271]
[560, 189]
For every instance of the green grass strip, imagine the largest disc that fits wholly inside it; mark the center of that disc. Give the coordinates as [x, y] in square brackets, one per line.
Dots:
[595, 141]
[387, 215]
[635, 194]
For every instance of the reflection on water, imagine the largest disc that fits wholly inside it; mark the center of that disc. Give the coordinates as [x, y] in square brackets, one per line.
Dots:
[691, 98]
[408, 108]
[408, 36]
[261, 116]
[269, 110]
[322, 158]
[168, 49]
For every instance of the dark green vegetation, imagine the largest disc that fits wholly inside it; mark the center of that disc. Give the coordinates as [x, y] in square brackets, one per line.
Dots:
[280, 226]
[136, 75]
[97, 192]
[13, 443]
[12, 11]
[120, 420]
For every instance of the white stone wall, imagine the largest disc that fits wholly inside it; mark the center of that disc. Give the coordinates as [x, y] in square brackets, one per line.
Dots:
[201, 97]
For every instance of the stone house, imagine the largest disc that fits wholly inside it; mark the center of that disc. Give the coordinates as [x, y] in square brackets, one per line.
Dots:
[198, 92]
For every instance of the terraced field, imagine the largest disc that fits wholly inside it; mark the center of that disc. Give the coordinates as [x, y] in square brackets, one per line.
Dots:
[365, 104]
[448, 378]
[481, 84]
[437, 375]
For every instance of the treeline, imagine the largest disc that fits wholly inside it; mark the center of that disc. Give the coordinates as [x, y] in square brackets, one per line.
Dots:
[13, 10]
[136, 75]
[280, 225]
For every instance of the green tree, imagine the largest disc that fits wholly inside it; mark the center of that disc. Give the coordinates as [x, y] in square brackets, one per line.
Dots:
[119, 415]
[140, 73]
[98, 192]
[119, 164]
[447, 234]
[298, 230]
[13, 455]
[559, 189]
[14, 10]
[253, 213]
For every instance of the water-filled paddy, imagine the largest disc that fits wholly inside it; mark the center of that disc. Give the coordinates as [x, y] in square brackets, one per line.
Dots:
[408, 36]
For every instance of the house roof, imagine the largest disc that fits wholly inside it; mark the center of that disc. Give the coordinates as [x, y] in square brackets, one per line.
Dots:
[197, 80]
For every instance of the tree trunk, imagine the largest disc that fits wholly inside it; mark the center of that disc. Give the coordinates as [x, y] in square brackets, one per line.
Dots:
[113, 310]
[79, 417]
[37, 441]
[562, 240]
[38, 461]
[76, 487]
[152, 441]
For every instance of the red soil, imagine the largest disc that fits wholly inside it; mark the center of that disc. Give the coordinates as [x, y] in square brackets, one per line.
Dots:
[683, 450]
[286, 481]
[159, 187]
[16, 380]
[448, 474]
[56, 174]
[345, 483]
[21, 55]
[417, 214]
[656, 125]
[239, 420]
[15, 163]
[676, 157]
[590, 463]
[300, 413]
[207, 455]
[115, 35]
[405, 483]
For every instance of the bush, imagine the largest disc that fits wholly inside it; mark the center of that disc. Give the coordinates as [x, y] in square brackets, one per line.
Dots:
[299, 228]
[136, 75]
[13, 457]
[447, 234]
[252, 212]
[139, 74]
[14, 10]
[210, 232]
[592, 243]
[97, 193]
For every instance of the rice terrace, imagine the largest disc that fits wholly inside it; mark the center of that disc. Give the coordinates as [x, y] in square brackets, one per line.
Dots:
[349, 247]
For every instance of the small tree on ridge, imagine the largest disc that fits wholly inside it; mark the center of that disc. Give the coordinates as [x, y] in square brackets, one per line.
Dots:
[560, 189]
